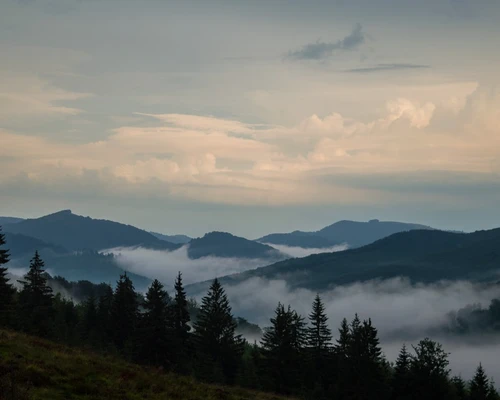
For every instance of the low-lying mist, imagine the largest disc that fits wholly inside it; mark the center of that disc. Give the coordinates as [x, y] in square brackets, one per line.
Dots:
[304, 252]
[402, 312]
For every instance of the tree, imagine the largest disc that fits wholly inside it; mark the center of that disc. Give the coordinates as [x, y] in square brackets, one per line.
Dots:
[492, 392]
[344, 341]
[219, 349]
[6, 289]
[90, 323]
[479, 385]
[154, 330]
[401, 385]
[104, 316]
[319, 350]
[459, 388]
[35, 300]
[282, 346]
[123, 315]
[180, 324]
[429, 371]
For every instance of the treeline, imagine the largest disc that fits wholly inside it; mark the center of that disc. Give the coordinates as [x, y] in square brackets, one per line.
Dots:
[296, 356]
[475, 319]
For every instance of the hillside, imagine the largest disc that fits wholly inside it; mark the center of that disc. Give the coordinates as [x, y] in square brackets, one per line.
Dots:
[9, 220]
[221, 244]
[37, 369]
[177, 239]
[353, 233]
[420, 255]
[75, 232]
[20, 245]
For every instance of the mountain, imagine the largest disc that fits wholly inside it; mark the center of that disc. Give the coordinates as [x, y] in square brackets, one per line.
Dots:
[353, 233]
[222, 244]
[298, 239]
[177, 239]
[9, 220]
[420, 255]
[75, 232]
[20, 245]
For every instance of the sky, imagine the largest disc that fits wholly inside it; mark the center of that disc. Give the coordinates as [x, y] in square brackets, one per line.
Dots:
[251, 117]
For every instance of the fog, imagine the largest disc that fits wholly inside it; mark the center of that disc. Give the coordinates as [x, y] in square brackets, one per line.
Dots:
[164, 265]
[302, 252]
[402, 312]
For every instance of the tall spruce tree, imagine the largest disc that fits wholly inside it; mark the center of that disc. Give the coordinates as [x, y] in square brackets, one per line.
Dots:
[479, 385]
[155, 335]
[492, 391]
[181, 330]
[282, 346]
[6, 289]
[124, 315]
[35, 300]
[180, 311]
[218, 347]
[321, 370]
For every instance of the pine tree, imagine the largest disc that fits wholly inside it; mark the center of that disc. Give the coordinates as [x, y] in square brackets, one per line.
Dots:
[492, 392]
[282, 345]
[89, 323]
[155, 336]
[35, 300]
[104, 305]
[344, 341]
[180, 311]
[401, 384]
[180, 324]
[6, 290]
[479, 385]
[459, 388]
[123, 315]
[319, 350]
[219, 349]
[319, 336]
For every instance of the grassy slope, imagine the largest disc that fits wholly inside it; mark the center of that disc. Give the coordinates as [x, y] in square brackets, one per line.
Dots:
[52, 371]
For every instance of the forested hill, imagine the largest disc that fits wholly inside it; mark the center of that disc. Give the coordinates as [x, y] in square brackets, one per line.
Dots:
[75, 232]
[421, 255]
[352, 233]
[222, 244]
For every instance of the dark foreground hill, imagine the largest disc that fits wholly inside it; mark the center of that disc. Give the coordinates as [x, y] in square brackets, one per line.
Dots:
[75, 232]
[353, 233]
[420, 255]
[222, 244]
[32, 368]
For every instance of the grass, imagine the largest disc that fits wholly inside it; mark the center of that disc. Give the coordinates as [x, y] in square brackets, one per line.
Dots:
[35, 369]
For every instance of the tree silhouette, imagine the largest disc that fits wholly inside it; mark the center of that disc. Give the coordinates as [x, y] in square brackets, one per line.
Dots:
[479, 385]
[6, 289]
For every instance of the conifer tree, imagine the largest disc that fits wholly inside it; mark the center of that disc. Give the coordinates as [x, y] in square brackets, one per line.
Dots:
[401, 385]
[319, 336]
[344, 341]
[459, 388]
[154, 333]
[479, 385]
[89, 323]
[35, 300]
[6, 289]
[492, 392]
[282, 345]
[180, 312]
[320, 371]
[123, 315]
[104, 316]
[219, 349]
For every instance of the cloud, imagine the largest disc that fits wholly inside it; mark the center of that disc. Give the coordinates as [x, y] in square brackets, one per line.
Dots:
[302, 252]
[164, 265]
[388, 67]
[323, 50]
